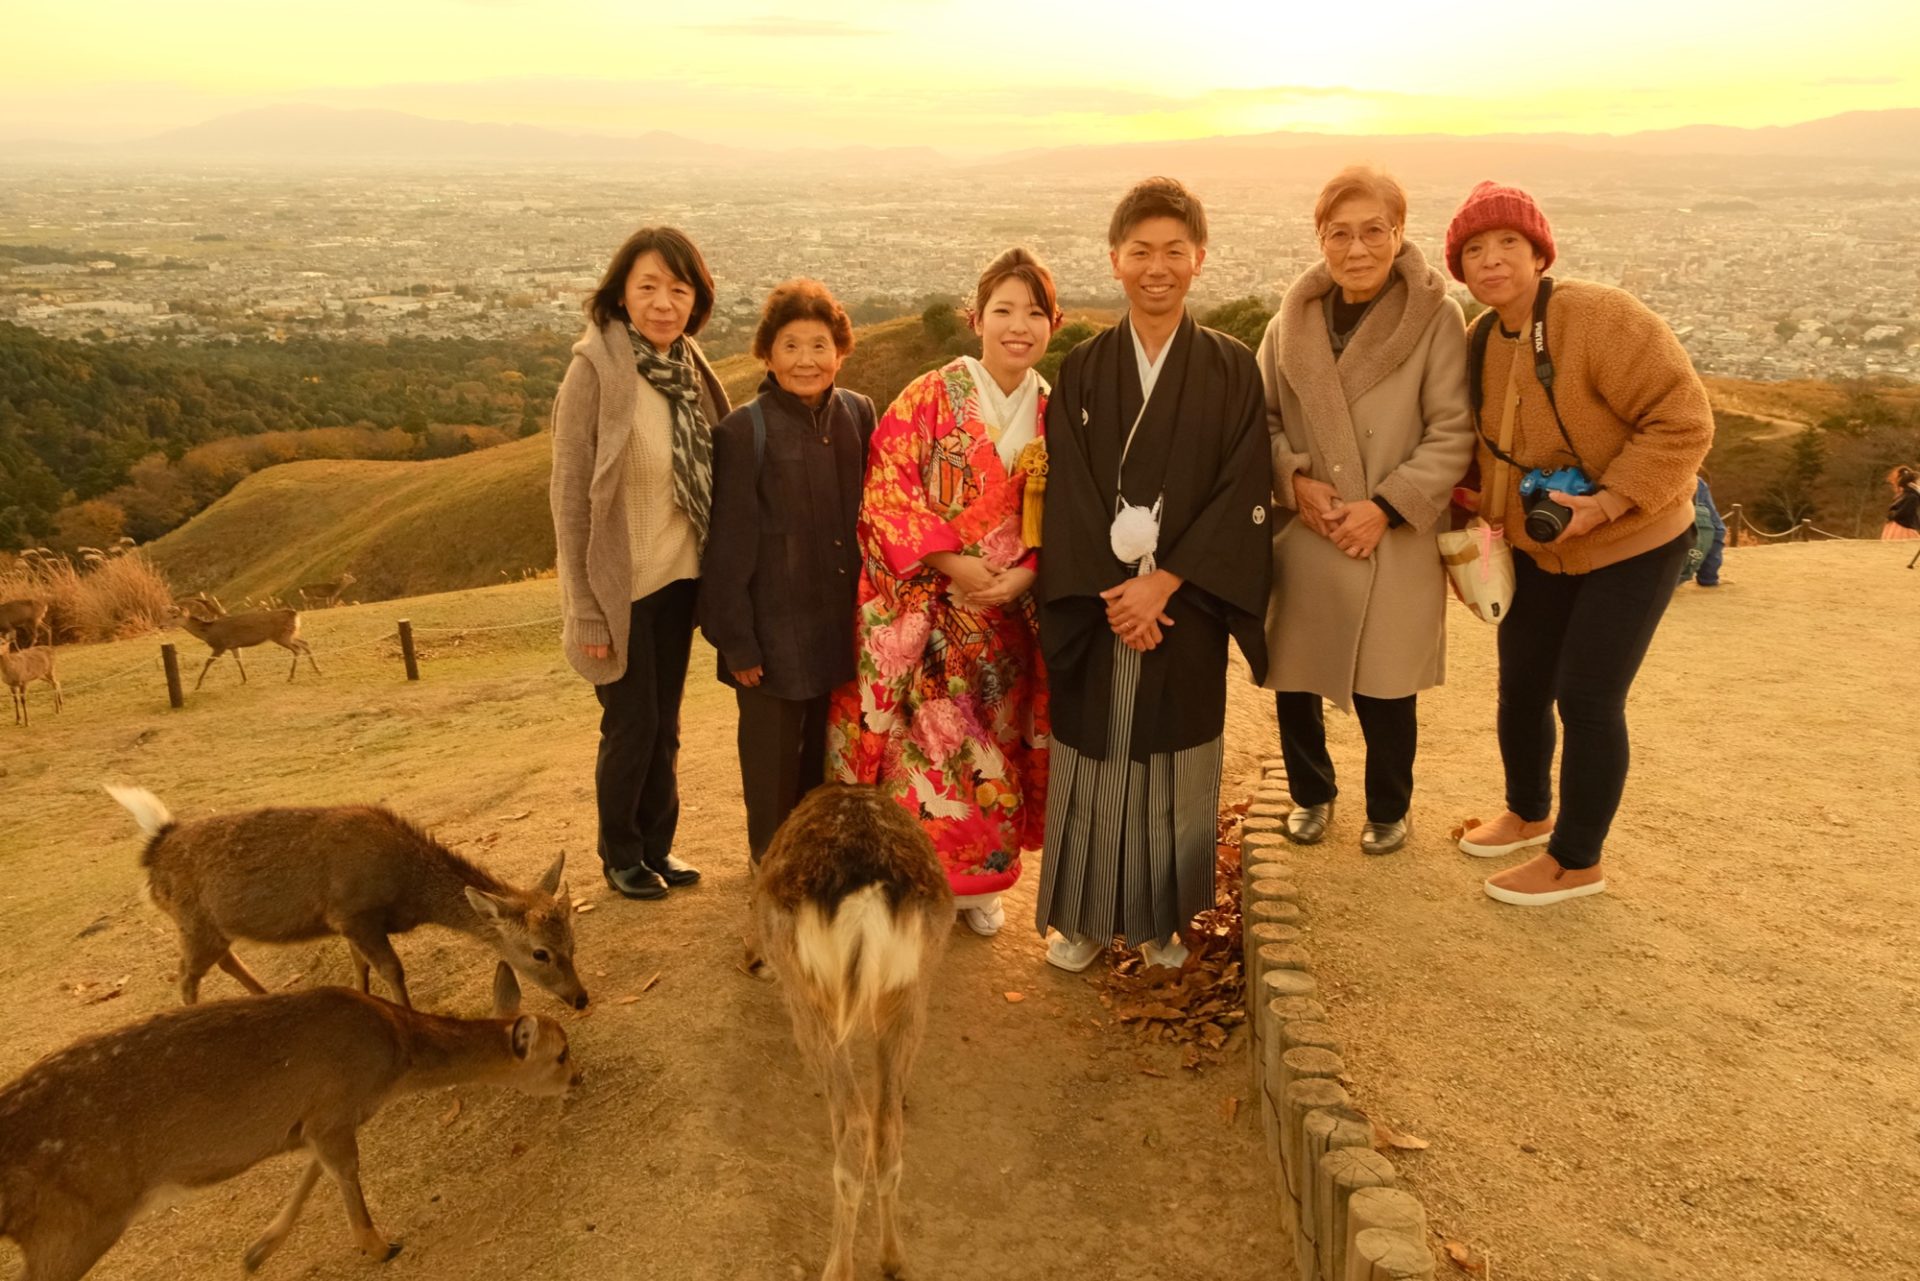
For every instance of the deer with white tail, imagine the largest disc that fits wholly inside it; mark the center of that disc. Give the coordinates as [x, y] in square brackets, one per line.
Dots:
[286, 875]
[94, 1134]
[225, 633]
[852, 910]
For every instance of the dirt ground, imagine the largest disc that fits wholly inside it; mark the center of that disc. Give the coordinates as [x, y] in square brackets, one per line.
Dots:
[1041, 1140]
[1712, 1071]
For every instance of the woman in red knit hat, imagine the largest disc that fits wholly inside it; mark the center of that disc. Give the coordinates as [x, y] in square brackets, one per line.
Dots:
[1592, 424]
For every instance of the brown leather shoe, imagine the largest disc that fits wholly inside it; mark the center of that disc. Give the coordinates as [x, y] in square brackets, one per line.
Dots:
[1541, 881]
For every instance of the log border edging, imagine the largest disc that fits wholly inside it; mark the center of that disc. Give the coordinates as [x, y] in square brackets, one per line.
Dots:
[1320, 1148]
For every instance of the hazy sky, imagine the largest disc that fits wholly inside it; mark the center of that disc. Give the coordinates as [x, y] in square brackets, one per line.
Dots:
[965, 77]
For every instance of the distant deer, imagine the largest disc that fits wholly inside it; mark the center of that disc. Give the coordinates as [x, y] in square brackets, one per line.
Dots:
[223, 632]
[851, 908]
[362, 872]
[324, 595]
[92, 1134]
[19, 668]
[26, 616]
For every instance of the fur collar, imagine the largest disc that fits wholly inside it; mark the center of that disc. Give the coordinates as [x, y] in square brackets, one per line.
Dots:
[1388, 335]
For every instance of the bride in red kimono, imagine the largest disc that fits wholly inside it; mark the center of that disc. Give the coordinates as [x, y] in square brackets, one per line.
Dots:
[949, 710]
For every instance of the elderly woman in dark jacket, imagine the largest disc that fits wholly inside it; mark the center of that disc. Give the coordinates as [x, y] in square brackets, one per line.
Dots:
[778, 578]
[631, 481]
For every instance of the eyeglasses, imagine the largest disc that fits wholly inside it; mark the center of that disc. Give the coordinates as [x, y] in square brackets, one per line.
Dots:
[1340, 239]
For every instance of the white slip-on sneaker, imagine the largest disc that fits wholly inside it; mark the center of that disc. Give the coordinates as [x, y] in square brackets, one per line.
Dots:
[1172, 954]
[985, 921]
[1073, 954]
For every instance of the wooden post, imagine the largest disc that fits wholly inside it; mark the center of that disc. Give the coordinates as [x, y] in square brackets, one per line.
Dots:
[1388, 1209]
[1257, 847]
[1271, 983]
[1294, 1034]
[1276, 910]
[1733, 526]
[1339, 1175]
[1274, 887]
[170, 660]
[1804, 531]
[406, 650]
[1261, 823]
[1380, 1255]
[1304, 1064]
[1303, 1097]
[1325, 1130]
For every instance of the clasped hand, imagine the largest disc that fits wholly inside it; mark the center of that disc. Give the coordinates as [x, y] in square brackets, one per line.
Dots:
[1355, 528]
[1136, 609]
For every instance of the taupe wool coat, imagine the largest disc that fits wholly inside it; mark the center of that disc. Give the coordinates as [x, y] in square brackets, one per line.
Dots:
[593, 420]
[1390, 417]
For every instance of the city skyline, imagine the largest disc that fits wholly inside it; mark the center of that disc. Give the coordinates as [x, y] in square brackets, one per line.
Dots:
[965, 81]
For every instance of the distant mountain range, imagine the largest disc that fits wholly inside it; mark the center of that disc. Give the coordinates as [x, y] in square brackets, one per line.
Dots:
[326, 136]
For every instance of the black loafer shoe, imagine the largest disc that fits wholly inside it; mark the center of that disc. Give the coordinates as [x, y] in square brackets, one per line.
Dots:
[676, 874]
[635, 882]
[1307, 825]
[1385, 838]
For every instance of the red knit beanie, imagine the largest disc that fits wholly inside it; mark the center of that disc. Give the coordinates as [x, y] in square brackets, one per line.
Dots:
[1489, 207]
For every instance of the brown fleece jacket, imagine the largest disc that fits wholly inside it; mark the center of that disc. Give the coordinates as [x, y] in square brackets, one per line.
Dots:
[1634, 407]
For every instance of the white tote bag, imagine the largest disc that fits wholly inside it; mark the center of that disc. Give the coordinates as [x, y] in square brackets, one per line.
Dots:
[1479, 562]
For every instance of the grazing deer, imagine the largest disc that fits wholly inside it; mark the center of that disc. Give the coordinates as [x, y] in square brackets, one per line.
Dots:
[91, 1135]
[324, 595]
[20, 668]
[362, 872]
[851, 908]
[223, 632]
[25, 616]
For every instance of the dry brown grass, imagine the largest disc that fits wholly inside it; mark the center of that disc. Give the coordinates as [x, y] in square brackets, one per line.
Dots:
[115, 598]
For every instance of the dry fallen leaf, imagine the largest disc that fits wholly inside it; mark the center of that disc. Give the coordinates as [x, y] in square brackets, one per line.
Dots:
[453, 1110]
[293, 979]
[1385, 1137]
[1155, 1072]
[581, 905]
[1230, 1108]
[625, 1000]
[1466, 1258]
[648, 985]
[1463, 827]
[515, 818]
[1014, 998]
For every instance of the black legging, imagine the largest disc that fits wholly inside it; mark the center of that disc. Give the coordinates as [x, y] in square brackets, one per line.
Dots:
[1577, 640]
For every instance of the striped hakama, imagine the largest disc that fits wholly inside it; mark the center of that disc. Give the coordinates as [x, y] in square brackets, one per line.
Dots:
[1129, 844]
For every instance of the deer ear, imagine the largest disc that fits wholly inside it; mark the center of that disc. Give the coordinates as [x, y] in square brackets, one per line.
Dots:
[489, 907]
[525, 1029]
[506, 992]
[551, 880]
[564, 897]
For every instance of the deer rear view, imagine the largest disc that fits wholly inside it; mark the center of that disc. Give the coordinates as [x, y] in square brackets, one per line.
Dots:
[230, 633]
[91, 1135]
[852, 909]
[362, 872]
[19, 668]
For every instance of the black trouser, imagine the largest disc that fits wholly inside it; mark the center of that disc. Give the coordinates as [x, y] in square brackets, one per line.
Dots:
[1577, 640]
[634, 782]
[783, 756]
[1391, 727]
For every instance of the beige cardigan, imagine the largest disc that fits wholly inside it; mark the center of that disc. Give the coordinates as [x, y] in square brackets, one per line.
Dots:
[593, 423]
[1390, 418]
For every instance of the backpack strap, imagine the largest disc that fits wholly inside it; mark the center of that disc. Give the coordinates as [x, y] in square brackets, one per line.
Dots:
[759, 429]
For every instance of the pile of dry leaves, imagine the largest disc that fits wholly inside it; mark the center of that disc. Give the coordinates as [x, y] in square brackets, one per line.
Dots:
[1199, 1005]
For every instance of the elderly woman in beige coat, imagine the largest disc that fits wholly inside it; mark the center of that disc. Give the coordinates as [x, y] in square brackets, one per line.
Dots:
[632, 484]
[1365, 371]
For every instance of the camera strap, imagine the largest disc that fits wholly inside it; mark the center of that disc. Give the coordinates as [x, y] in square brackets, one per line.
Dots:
[1495, 509]
[1542, 370]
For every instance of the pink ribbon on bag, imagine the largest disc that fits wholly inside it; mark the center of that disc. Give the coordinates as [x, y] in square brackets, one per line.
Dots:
[1486, 550]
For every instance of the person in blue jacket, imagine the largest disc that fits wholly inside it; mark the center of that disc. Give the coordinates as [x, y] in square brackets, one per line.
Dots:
[1703, 562]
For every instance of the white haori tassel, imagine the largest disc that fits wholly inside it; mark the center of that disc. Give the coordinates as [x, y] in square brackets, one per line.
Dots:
[1135, 535]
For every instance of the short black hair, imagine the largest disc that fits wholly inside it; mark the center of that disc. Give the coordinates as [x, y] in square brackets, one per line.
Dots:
[1158, 198]
[607, 303]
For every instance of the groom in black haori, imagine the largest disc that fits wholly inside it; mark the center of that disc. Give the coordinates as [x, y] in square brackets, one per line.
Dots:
[1155, 550]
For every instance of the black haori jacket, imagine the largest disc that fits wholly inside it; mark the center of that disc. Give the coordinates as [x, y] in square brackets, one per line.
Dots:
[1203, 445]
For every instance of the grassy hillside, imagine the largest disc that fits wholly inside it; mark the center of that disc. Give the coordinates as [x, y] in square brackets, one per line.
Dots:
[403, 529]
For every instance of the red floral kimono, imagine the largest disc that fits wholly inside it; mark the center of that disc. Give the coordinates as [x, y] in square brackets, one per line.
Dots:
[949, 710]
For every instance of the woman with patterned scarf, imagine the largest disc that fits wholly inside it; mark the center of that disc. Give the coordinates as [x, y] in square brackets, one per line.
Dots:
[632, 480]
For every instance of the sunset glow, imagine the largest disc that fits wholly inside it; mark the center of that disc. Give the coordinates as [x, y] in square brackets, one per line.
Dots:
[960, 77]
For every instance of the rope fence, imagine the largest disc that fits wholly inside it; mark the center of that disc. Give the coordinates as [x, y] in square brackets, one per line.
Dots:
[1805, 532]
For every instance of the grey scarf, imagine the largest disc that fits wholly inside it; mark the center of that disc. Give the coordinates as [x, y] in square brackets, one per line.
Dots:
[673, 376]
